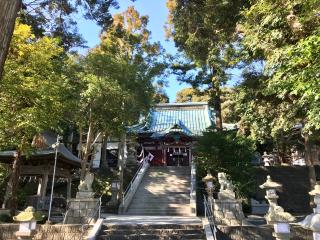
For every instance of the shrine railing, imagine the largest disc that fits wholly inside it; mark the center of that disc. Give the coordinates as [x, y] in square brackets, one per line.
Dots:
[208, 211]
[193, 193]
[133, 186]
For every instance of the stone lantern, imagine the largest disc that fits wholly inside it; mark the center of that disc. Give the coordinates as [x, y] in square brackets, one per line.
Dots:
[312, 221]
[209, 185]
[271, 194]
[28, 223]
[276, 214]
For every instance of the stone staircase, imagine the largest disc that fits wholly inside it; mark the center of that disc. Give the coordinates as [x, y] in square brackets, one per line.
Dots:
[125, 227]
[163, 191]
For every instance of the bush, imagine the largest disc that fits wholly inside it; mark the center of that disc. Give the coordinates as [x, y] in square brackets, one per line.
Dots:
[5, 218]
[225, 151]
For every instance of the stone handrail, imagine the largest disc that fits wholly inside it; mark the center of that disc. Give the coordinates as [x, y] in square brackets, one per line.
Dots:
[133, 186]
[193, 195]
[209, 223]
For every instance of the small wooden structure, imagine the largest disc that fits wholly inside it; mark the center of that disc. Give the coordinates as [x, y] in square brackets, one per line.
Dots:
[40, 163]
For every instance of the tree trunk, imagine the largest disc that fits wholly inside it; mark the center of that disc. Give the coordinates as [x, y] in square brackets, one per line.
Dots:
[121, 163]
[104, 161]
[8, 191]
[87, 151]
[216, 98]
[80, 155]
[15, 182]
[309, 160]
[8, 15]
[217, 107]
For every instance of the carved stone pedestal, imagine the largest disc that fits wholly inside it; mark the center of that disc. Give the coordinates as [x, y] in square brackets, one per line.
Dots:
[227, 209]
[228, 212]
[84, 207]
[82, 210]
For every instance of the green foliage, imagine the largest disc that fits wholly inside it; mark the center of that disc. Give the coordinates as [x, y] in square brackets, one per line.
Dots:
[191, 95]
[205, 31]
[160, 96]
[225, 151]
[283, 91]
[269, 25]
[295, 81]
[5, 218]
[35, 90]
[102, 183]
[118, 74]
[58, 18]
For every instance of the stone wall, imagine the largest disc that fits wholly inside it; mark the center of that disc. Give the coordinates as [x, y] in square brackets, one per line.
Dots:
[47, 232]
[258, 233]
[7, 231]
[60, 232]
[293, 196]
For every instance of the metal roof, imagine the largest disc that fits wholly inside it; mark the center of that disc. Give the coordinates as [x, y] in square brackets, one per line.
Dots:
[50, 140]
[190, 118]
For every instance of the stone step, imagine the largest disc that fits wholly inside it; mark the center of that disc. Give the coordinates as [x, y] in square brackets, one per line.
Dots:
[160, 201]
[172, 175]
[163, 186]
[155, 184]
[169, 175]
[151, 237]
[152, 212]
[171, 168]
[146, 227]
[152, 180]
[160, 193]
[161, 231]
[160, 206]
[163, 191]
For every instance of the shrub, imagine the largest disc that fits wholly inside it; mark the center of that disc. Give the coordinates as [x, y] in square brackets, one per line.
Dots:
[225, 151]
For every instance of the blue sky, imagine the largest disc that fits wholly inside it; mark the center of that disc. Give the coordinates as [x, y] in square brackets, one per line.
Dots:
[157, 12]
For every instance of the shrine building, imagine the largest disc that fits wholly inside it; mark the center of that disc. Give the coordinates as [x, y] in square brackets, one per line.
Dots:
[170, 131]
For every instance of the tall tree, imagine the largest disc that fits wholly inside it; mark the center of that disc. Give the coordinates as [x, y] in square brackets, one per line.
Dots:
[205, 31]
[126, 60]
[284, 35]
[34, 93]
[191, 95]
[8, 14]
[53, 18]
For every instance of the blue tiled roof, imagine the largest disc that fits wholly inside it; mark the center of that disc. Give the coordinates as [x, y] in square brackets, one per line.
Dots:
[190, 118]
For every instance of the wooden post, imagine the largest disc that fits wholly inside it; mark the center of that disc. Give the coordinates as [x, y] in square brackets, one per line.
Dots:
[44, 183]
[190, 156]
[39, 187]
[69, 187]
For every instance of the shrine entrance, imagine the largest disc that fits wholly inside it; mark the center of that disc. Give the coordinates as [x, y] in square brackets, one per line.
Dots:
[178, 156]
